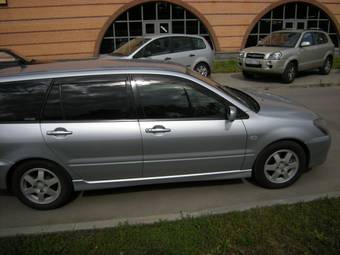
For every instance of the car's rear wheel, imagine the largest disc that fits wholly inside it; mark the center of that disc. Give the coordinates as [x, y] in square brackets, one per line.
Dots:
[289, 73]
[247, 75]
[280, 165]
[42, 185]
[203, 69]
[327, 66]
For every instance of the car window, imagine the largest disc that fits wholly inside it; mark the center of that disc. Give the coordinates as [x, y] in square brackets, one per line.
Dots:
[180, 44]
[308, 37]
[5, 57]
[198, 44]
[157, 47]
[83, 98]
[22, 100]
[320, 38]
[167, 97]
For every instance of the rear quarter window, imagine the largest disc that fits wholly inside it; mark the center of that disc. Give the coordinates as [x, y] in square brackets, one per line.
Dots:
[198, 44]
[22, 100]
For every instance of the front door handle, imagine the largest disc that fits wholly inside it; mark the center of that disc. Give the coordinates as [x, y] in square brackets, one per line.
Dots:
[157, 129]
[192, 55]
[59, 132]
[166, 59]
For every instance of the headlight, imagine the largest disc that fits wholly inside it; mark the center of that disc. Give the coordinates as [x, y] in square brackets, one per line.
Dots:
[275, 56]
[321, 125]
[242, 54]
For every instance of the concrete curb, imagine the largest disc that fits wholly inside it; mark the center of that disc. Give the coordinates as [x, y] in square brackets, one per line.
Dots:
[7, 232]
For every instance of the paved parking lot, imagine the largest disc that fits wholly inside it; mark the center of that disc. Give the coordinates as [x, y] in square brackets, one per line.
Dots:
[145, 204]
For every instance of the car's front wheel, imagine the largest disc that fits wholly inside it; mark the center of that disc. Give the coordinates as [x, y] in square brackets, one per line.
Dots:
[42, 184]
[203, 69]
[327, 66]
[289, 73]
[280, 165]
[247, 75]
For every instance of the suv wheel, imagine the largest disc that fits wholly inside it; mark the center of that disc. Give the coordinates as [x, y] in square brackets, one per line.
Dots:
[289, 73]
[203, 69]
[247, 75]
[42, 185]
[280, 165]
[327, 66]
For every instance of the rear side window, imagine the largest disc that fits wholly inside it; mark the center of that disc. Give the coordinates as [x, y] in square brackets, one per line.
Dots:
[94, 98]
[320, 38]
[198, 44]
[22, 100]
[181, 44]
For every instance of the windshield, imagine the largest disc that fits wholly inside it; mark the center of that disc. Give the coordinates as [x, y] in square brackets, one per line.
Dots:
[281, 39]
[236, 94]
[129, 47]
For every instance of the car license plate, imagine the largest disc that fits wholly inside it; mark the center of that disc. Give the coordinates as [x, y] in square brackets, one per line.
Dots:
[251, 61]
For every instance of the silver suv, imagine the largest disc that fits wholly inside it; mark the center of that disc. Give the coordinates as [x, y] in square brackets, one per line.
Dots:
[189, 50]
[85, 125]
[287, 52]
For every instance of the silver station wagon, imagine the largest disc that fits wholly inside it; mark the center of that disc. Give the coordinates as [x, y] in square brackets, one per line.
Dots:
[95, 124]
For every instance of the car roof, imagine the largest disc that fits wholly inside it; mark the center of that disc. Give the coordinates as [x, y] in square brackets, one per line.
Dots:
[170, 35]
[79, 67]
[299, 30]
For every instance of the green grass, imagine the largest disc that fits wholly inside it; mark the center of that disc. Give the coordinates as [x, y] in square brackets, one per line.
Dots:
[336, 63]
[303, 228]
[226, 66]
[231, 65]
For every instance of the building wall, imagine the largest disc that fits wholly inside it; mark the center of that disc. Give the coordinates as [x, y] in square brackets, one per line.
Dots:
[70, 29]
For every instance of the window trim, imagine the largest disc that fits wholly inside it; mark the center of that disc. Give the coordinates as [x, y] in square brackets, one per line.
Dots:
[143, 118]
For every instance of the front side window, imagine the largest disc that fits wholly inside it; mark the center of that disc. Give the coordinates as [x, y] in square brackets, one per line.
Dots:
[166, 97]
[22, 100]
[157, 47]
[308, 37]
[84, 98]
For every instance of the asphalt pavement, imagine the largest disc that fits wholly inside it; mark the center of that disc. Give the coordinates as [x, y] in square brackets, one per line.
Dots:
[106, 208]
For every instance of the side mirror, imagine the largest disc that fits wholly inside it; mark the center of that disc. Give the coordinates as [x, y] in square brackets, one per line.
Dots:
[231, 113]
[305, 44]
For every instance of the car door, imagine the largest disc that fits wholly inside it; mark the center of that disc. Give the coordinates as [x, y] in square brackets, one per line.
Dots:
[307, 56]
[321, 47]
[184, 128]
[89, 123]
[183, 51]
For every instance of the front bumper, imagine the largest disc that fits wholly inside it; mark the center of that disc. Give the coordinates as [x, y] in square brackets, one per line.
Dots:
[262, 65]
[318, 148]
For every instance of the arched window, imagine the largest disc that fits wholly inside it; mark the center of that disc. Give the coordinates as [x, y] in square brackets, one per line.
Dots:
[152, 18]
[296, 15]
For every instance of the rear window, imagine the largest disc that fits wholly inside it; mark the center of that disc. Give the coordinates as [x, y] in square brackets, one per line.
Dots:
[22, 101]
[320, 38]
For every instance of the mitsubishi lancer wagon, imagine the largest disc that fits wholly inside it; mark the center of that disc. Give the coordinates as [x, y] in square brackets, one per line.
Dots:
[99, 124]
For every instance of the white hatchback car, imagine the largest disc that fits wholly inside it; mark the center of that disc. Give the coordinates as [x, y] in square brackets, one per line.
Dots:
[190, 50]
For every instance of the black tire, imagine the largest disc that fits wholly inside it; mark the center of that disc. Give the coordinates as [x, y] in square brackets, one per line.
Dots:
[203, 69]
[327, 66]
[64, 186]
[259, 172]
[247, 75]
[289, 73]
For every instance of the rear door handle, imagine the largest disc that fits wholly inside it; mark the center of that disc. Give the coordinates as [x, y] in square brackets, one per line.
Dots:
[166, 59]
[157, 129]
[192, 55]
[59, 132]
